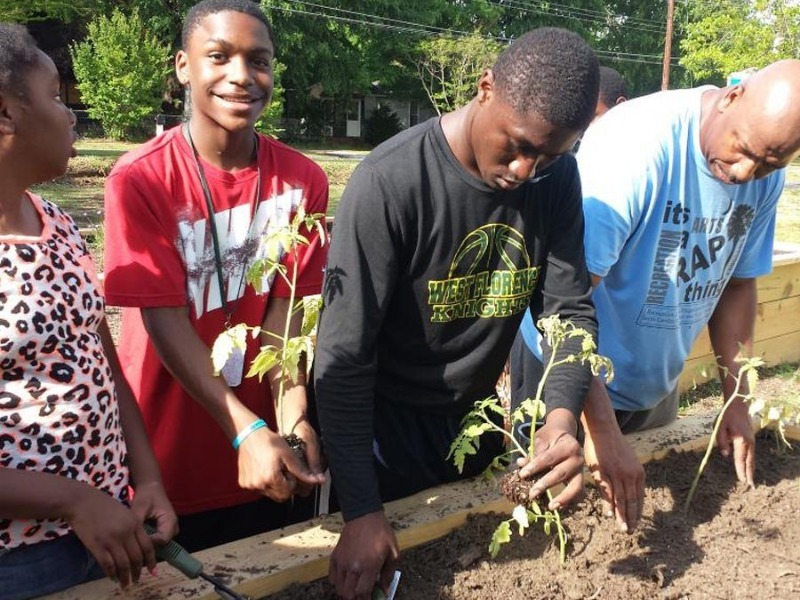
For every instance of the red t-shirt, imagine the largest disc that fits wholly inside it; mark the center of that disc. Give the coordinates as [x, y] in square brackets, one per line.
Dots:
[159, 253]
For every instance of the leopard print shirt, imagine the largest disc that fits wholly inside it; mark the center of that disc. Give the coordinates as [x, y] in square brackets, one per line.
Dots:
[58, 409]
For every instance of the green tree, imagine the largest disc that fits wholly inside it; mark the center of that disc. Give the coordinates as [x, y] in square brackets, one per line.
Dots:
[270, 120]
[22, 11]
[449, 67]
[121, 69]
[732, 35]
[339, 47]
[632, 42]
[382, 124]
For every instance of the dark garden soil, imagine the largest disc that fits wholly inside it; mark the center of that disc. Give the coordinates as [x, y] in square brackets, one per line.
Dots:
[734, 543]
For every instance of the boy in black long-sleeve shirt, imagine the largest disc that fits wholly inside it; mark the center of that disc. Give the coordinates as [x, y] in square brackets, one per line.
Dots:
[445, 235]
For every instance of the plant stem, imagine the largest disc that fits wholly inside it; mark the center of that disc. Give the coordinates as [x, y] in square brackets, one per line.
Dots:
[562, 536]
[286, 331]
[540, 390]
[502, 430]
[710, 446]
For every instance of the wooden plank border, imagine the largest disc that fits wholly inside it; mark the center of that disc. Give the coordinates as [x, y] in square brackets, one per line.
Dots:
[267, 563]
[777, 328]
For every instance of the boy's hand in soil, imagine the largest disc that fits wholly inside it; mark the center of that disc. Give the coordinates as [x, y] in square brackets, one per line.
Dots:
[367, 553]
[736, 432]
[611, 460]
[618, 475]
[558, 454]
[113, 534]
[268, 465]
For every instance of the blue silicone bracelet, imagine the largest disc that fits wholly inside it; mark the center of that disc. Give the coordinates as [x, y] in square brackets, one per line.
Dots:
[244, 433]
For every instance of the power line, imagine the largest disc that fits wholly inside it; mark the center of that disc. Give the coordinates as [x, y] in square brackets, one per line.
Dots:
[385, 22]
[586, 16]
[409, 27]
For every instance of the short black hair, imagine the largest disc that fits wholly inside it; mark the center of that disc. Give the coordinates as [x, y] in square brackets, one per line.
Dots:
[210, 7]
[19, 54]
[612, 86]
[552, 72]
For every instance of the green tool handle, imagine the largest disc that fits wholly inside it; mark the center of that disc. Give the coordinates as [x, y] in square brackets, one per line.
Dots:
[177, 556]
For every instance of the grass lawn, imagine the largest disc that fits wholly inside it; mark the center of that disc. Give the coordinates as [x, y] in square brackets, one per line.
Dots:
[788, 227]
[80, 191]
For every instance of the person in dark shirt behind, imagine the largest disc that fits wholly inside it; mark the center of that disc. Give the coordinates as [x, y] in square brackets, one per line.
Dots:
[445, 235]
[613, 91]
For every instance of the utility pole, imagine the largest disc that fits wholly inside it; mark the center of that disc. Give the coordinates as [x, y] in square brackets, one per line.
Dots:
[668, 45]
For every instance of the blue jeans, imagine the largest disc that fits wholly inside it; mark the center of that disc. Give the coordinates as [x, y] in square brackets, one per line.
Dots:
[45, 568]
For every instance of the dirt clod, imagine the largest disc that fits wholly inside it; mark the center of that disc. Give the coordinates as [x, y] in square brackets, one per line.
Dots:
[515, 488]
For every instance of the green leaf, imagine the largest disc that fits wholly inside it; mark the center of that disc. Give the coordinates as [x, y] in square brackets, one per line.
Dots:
[476, 430]
[267, 358]
[501, 535]
[311, 310]
[234, 337]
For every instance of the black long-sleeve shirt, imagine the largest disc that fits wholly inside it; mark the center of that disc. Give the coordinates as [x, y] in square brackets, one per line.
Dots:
[429, 273]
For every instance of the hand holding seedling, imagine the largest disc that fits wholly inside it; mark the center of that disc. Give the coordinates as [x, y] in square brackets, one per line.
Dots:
[268, 465]
[552, 448]
[557, 454]
[313, 454]
[288, 462]
[367, 552]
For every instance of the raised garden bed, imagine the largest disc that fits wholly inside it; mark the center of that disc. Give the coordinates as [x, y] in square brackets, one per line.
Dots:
[777, 332]
[734, 543]
[265, 564]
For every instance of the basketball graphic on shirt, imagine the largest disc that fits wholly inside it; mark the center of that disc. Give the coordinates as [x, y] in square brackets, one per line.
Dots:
[489, 247]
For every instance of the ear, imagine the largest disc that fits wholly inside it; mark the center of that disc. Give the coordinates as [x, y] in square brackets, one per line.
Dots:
[732, 94]
[182, 67]
[485, 87]
[7, 123]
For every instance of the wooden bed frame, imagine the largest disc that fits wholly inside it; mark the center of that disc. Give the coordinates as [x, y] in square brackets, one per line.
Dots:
[267, 563]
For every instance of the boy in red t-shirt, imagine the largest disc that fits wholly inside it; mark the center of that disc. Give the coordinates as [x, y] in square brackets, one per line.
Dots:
[185, 216]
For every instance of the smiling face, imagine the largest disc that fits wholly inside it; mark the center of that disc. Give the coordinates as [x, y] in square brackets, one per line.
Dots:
[509, 148]
[228, 67]
[43, 126]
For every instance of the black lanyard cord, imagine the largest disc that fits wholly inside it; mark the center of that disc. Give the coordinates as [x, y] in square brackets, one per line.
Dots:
[214, 235]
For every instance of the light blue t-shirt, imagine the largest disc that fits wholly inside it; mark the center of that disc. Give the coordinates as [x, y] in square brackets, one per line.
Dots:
[665, 236]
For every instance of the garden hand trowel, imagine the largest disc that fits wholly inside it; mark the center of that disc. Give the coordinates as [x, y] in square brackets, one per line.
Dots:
[177, 556]
[379, 594]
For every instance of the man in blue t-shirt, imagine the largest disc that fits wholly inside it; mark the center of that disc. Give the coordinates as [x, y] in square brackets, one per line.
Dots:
[679, 196]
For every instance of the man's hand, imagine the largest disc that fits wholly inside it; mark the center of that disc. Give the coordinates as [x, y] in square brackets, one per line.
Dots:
[367, 553]
[559, 454]
[618, 474]
[268, 465]
[113, 534]
[736, 433]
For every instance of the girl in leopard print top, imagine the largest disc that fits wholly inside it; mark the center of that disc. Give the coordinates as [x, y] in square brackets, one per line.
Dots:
[77, 476]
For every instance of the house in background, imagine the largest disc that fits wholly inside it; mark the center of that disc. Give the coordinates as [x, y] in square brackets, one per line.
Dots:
[345, 121]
